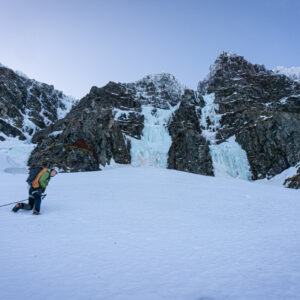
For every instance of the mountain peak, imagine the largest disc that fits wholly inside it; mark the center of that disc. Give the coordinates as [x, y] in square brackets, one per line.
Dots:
[230, 65]
[161, 80]
[228, 62]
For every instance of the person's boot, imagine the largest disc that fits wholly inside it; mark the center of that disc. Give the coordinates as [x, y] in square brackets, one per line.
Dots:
[35, 212]
[17, 207]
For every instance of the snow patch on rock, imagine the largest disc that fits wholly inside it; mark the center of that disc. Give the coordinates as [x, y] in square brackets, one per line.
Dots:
[292, 72]
[21, 74]
[68, 102]
[159, 90]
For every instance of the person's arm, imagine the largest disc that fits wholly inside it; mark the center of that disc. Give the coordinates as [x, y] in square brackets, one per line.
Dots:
[44, 180]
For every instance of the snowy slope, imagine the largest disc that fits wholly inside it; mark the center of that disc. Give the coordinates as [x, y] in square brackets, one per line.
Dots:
[151, 234]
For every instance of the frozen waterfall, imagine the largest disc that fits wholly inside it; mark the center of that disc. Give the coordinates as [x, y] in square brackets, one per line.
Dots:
[152, 149]
[210, 120]
[229, 159]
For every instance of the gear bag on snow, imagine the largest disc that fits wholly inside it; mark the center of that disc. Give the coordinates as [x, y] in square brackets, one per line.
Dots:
[34, 176]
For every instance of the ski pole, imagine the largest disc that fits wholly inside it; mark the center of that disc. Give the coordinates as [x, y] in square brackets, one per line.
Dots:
[13, 203]
[43, 196]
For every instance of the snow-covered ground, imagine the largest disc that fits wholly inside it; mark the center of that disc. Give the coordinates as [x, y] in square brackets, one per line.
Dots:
[151, 234]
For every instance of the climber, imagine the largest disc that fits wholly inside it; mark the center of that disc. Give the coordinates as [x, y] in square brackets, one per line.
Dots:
[37, 180]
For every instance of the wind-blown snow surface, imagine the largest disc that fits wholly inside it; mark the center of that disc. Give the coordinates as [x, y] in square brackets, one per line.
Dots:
[150, 233]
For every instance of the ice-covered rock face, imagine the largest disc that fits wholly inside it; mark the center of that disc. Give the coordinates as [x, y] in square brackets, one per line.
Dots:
[260, 108]
[27, 105]
[228, 158]
[159, 96]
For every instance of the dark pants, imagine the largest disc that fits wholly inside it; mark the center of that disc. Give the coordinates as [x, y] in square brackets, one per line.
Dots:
[34, 200]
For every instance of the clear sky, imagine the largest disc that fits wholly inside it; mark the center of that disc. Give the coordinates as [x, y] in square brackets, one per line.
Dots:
[77, 44]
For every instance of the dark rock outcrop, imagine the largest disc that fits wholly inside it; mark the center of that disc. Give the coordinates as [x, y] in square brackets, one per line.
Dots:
[272, 144]
[293, 182]
[81, 141]
[189, 151]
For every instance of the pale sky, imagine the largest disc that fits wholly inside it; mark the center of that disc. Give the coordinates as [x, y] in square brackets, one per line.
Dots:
[77, 44]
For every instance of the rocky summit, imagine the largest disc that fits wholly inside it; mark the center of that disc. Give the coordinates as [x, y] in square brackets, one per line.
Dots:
[243, 121]
[27, 105]
[260, 108]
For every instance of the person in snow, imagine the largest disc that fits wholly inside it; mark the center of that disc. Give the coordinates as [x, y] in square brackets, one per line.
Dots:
[38, 180]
